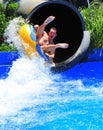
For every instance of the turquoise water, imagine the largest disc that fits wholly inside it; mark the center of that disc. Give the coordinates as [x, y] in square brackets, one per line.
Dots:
[40, 100]
[33, 98]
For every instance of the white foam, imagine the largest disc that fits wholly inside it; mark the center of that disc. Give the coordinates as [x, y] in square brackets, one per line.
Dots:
[31, 93]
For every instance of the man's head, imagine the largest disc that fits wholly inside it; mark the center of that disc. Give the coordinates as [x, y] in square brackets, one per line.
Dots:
[52, 33]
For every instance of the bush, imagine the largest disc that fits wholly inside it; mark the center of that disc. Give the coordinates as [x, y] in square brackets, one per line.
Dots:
[93, 19]
[6, 14]
[10, 11]
[7, 48]
[2, 20]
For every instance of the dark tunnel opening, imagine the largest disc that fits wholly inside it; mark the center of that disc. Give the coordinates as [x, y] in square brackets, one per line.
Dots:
[69, 24]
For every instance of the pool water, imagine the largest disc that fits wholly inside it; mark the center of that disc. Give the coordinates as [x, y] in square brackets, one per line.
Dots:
[33, 98]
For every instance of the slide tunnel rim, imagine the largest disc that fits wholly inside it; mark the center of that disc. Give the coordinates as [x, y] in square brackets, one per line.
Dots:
[75, 58]
[66, 3]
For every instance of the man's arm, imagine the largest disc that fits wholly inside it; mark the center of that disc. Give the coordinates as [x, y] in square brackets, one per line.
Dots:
[41, 29]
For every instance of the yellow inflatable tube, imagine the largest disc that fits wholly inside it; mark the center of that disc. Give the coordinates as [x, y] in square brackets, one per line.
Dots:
[29, 43]
[28, 35]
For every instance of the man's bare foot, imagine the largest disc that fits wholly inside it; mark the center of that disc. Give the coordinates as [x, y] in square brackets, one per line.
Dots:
[62, 45]
[49, 19]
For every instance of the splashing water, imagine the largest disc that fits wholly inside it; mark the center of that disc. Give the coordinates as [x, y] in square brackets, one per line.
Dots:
[11, 34]
[32, 98]
[26, 85]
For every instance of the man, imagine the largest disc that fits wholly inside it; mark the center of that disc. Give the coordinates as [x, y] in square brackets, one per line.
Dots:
[46, 40]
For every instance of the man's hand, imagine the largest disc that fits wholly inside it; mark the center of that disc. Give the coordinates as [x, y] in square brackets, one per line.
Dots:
[49, 19]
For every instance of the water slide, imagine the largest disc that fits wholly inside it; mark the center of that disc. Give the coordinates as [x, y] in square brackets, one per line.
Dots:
[70, 26]
[25, 6]
[71, 29]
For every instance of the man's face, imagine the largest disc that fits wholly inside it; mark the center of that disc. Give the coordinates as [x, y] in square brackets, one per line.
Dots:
[52, 33]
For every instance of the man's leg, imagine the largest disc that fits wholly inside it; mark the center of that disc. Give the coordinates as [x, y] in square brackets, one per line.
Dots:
[62, 45]
[52, 48]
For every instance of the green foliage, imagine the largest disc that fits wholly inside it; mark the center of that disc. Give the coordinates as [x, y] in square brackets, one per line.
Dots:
[7, 48]
[10, 11]
[2, 20]
[93, 18]
[7, 13]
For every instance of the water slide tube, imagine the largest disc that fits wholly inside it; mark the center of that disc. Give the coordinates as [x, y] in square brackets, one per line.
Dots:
[25, 6]
[71, 29]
